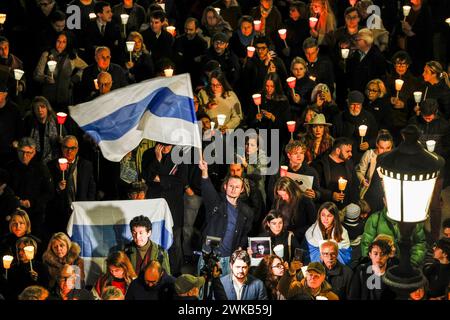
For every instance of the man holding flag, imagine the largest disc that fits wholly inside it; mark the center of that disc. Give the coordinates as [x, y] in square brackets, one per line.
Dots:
[160, 109]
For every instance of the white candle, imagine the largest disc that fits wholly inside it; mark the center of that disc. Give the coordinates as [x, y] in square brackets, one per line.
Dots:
[130, 45]
[282, 33]
[2, 18]
[430, 145]
[124, 17]
[7, 261]
[342, 184]
[217, 10]
[250, 51]
[221, 119]
[18, 74]
[171, 30]
[362, 130]
[313, 22]
[398, 84]
[257, 24]
[92, 16]
[406, 10]
[344, 53]
[417, 96]
[29, 252]
[168, 72]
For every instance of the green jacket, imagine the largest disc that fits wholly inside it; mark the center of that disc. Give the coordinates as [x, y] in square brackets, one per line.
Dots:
[155, 252]
[379, 223]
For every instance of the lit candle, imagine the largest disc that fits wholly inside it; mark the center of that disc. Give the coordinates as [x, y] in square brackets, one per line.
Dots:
[2, 18]
[406, 10]
[257, 25]
[171, 30]
[217, 10]
[221, 119]
[29, 253]
[63, 165]
[130, 47]
[362, 131]
[7, 260]
[51, 66]
[257, 100]
[291, 83]
[168, 72]
[250, 51]
[398, 85]
[291, 128]
[344, 53]
[283, 171]
[342, 184]
[313, 22]
[61, 118]
[92, 16]
[17, 76]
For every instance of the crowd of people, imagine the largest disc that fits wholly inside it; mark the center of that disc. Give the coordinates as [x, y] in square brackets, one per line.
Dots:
[354, 83]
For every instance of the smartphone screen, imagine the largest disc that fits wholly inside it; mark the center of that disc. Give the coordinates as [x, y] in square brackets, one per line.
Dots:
[298, 254]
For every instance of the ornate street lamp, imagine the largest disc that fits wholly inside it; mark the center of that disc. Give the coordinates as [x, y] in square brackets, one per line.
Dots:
[409, 173]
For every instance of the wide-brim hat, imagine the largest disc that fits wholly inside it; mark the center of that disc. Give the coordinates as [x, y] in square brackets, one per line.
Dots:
[319, 119]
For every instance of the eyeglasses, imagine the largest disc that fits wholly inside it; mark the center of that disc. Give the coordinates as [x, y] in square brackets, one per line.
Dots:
[26, 152]
[70, 148]
[278, 266]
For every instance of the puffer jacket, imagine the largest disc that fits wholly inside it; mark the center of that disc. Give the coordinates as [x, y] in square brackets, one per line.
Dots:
[379, 223]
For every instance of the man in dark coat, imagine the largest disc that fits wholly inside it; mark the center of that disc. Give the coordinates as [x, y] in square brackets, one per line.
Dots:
[347, 123]
[333, 166]
[167, 180]
[32, 183]
[78, 184]
[152, 284]
[103, 63]
[157, 40]
[337, 274]
[11, 124]
[103, 31]
[367, 63]
[227, 217]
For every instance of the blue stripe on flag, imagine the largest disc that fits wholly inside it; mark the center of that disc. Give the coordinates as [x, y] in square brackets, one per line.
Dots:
[97, 241]
[161, 103]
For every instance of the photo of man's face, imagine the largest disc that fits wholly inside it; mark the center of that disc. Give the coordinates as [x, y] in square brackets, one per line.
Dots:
[260, 248]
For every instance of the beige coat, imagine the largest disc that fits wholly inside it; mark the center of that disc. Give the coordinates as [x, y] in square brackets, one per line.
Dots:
[365, 169]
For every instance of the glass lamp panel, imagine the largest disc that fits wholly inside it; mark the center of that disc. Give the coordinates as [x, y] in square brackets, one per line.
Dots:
[417, 198]
[392, 191]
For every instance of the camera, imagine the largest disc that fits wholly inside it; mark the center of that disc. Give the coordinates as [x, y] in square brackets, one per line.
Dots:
[210, 255]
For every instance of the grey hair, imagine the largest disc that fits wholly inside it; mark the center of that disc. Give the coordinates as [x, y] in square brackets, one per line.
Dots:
[27, 142]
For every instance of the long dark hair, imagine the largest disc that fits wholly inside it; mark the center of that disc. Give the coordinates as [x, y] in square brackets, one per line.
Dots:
[288, 209]
[264, 272]
[220, 76]
[278, 94]
[69, 50]
[273, 214]
[337, 226]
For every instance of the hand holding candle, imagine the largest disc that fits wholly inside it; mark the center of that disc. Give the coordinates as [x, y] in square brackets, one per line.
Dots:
[17, 76]
[51, 66]
[342, 184]
[282, 33]
[63, 165]
[313, 22]
[398, 85]
[130, 47]
[291, 83]
[29, 253]
[283, 171]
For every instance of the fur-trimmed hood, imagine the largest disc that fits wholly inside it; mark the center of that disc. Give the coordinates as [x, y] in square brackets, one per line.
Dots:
[52, 260]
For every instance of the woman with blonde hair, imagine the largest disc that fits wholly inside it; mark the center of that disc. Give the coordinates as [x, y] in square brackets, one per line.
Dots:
[326, 23]
[377, 103]
[19, 227]
[120, 274]
[141, 65]
[300, 96]
[60, 251]
[437, 86]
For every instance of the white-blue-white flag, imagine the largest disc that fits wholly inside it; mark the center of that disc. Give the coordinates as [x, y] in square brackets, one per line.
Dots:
[101, 227]
[159, 109]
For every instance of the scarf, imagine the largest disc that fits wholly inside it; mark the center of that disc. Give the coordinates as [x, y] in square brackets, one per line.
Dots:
[246, 40]
[50, 135]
